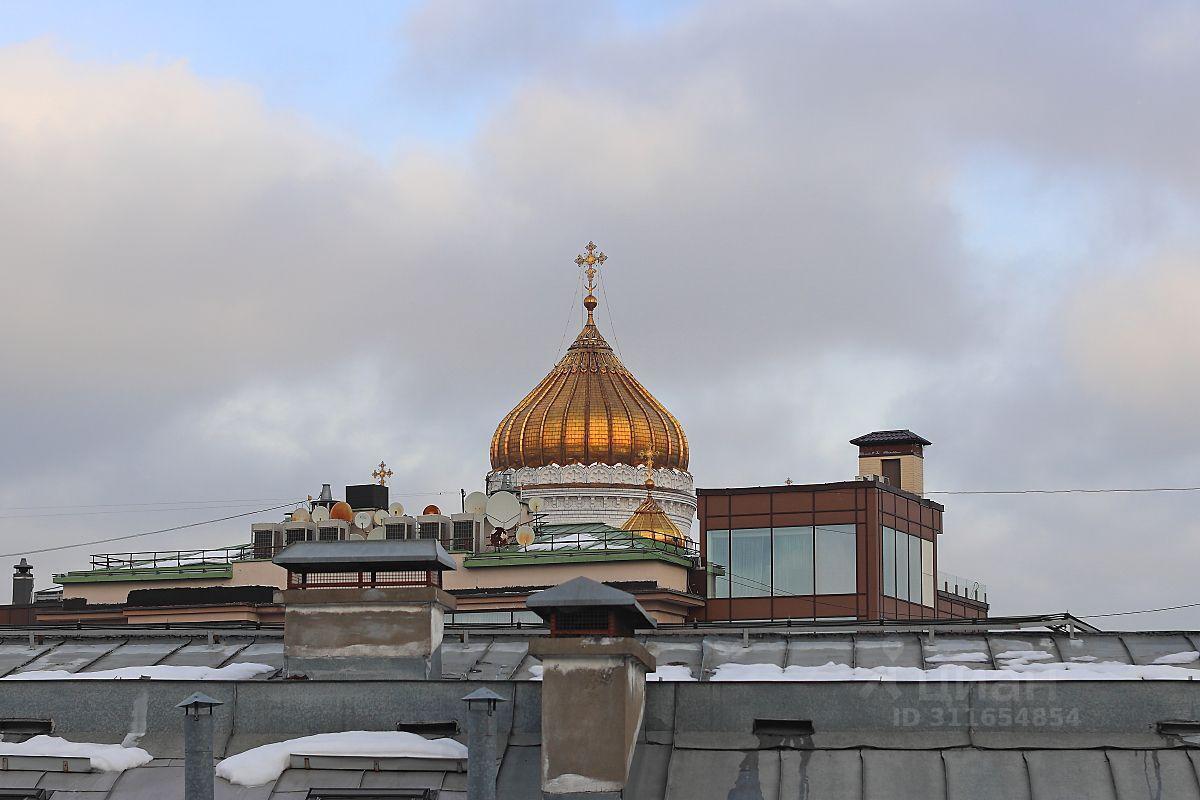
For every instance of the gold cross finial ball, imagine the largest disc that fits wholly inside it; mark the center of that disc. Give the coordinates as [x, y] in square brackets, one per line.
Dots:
[382, 474]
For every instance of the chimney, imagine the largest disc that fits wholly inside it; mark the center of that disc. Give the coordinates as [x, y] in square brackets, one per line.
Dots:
[895, 455]
[364, 610]
[22, 584]
[593, 687]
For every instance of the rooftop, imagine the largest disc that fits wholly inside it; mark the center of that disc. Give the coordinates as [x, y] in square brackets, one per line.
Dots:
[902, 436]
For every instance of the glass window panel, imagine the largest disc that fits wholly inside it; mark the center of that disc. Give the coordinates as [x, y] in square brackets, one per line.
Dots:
[889, 562]
[793, 552]
[836, 559]
[718, 553]
[750, 560]
[901, 565]
[914, 569]
[927, 583]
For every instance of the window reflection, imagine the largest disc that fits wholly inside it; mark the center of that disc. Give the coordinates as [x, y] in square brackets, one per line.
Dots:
[751, 560]
[792, 549]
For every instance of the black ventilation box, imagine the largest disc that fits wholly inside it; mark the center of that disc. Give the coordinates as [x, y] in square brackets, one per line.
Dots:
[369, 495]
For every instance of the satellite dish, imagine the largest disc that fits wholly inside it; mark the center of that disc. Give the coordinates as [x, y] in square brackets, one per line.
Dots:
[358, 536]
[363, 519]
[503, 509]
[525, 536]
[396, 509]
[301, 515]
[320, 514]
[379, 516]
[378, 532]
[476, 503]
[535, 505]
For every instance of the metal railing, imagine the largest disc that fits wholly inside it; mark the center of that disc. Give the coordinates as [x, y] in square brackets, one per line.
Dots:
[158, 559]
[962, 587]
[609, 541]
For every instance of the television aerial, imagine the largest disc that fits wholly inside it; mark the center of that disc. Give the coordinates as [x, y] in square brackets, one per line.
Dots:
[525, 536]
[476, 503]
[503, 509]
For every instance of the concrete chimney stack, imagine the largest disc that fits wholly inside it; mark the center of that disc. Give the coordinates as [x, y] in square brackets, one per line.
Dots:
[593, 687]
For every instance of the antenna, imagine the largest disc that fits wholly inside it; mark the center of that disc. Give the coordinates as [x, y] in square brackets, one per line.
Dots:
[320, 514]
[363, 520]
[301, 514]
[476, 503]
[535, 505]
[525, 536]
[379, 516]
[396, 509]
[503, 509]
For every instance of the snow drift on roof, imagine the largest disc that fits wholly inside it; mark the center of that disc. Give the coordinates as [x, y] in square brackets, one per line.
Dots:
[104, 757]
[262, 765]
[161, 672]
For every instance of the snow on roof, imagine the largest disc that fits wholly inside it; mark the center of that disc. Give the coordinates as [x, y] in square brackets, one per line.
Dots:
[264, 764]
[104, 757]
[161, 672]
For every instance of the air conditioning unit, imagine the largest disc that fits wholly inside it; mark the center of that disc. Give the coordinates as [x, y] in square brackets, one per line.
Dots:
[468, 532]
[333, 530]
[299, 532]
[266, 538]
[399, 528]
[435, 526]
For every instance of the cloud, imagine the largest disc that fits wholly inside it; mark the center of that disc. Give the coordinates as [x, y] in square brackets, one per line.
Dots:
[1132, 338]
[216, 297]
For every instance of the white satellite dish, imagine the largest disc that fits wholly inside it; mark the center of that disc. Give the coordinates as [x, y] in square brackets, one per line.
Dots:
[396, 509]
[358, 536]
[476, 503]
[503, 509]
[320, 514]
[301, 515]
[378, 532]
[379, 516]
[363, 519]
[535, 505]
[525, 535]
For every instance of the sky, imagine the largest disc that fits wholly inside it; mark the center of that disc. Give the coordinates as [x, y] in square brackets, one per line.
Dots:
[252, 248]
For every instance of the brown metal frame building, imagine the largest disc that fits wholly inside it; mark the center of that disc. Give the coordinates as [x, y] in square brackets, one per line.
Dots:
[870, 505]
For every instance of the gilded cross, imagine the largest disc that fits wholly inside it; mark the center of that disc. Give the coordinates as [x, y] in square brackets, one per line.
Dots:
[382, 474]
[648, 455]
[590, 261]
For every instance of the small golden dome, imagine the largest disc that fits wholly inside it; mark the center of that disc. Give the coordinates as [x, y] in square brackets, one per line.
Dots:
[589, 409]
[651, 521]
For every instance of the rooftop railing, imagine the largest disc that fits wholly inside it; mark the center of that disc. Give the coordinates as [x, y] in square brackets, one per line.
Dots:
[161, 559]
[962, 587]
[600, 542]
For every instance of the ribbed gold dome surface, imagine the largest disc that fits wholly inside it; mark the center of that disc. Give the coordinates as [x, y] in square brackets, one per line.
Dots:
[589, 409]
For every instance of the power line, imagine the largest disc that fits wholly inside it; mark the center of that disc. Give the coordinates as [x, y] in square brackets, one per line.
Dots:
[1143, 611]
[120, 511]
[1070, 491]
[148, 533]
[148, 503]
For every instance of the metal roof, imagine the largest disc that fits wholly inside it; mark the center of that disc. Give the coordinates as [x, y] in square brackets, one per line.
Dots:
[902, 436]
[584, 592]
[352, 556]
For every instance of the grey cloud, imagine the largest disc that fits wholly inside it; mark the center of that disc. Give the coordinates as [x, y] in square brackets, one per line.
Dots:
[216, 297]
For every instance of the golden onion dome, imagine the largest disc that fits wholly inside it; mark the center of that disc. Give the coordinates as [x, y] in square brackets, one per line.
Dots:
[589, 409]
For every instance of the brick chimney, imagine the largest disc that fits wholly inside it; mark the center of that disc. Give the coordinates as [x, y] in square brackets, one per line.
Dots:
[22, 584]
[593, 687]
[896, 455]
[358, 610]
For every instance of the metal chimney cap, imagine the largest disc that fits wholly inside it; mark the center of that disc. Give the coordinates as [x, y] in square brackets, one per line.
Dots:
[484, 693]
[199, 700]
[24, 568]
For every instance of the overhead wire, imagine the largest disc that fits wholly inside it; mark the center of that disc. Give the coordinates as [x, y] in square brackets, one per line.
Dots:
[1069, 491]
[1142, 611]
[126, 537]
